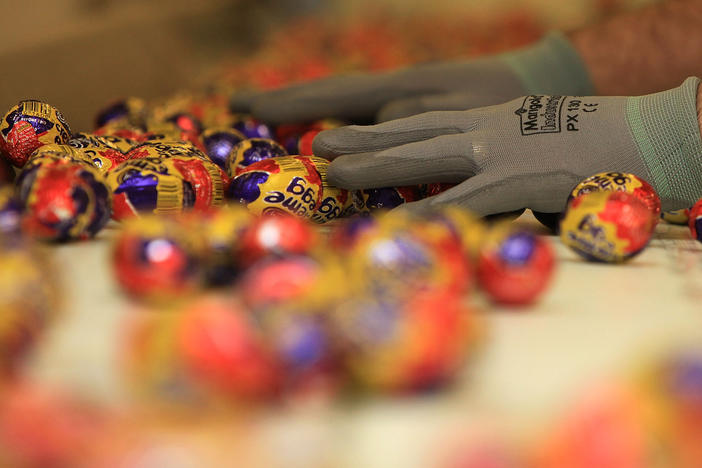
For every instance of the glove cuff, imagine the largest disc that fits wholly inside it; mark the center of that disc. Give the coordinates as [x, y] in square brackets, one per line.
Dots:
[551, 66]
[667, 133]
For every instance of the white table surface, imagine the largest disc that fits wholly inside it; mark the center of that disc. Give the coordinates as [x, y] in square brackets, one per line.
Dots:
[595, 322]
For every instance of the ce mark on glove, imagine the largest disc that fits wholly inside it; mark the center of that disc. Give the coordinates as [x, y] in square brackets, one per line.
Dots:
[573, 109]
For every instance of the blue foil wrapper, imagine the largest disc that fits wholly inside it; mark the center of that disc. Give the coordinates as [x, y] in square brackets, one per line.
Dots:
[245, 187]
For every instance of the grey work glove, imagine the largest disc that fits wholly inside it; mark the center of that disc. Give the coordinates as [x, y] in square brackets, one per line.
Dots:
[549, 66]
[529, 152]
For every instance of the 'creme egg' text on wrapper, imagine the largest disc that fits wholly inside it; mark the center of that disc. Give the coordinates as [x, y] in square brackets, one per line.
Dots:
[291, 184]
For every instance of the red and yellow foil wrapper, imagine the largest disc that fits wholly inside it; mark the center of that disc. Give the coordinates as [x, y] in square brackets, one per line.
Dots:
[104, 160]
[166, 132]
[204, 176]
[185, 151]
[183, 101]
[607, 226]
[165, 185]
[470, 229]
[297, 138]
[151, 360]
[515, 266]
[29, 125]
[174, 356]
[429, 190]
[10, 210]
[290, 184]
[98, 149]
[129, 112]
[315, 281]
[620, 182]
[212, 108]
[148, 185]
[165, 149]
[276, 236]
[695, 221]
[401, 256]
[304, 144]
[63, 200]
[56, 152]
[222, 231]
[41, 425]
[122, 140]
[609, 425]
[251, 151]
[28, 301]
[680, 217]
[418, 343]
[155, 257]
[336, 202]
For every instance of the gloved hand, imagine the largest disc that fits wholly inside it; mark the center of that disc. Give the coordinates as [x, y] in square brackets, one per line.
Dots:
[529, 152]
[550, 66]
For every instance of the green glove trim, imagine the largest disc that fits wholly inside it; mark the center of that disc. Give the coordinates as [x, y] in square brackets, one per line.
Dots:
[667, 134]
[551, 66]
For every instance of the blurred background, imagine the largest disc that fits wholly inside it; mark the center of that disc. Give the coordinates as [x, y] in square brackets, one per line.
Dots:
[548, 383]
[81, 54]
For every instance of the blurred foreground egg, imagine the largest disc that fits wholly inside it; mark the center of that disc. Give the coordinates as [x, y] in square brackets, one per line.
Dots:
[155, 257]
[515, 266]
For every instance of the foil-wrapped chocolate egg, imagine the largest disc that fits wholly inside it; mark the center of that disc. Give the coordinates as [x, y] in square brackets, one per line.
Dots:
[695, 222]
[63, 200]
[620, 182]
[251, 128]
[418, 343]
[165, 185]
[680, 217]
[607, 226]
[149, 185]
[10, 211]
[29, 299]
[251, 151]
[219, 142]
[222, 231]
[209, 349]
[130, 111]
[515, 266]
[290, 184]
[404, 255]
[155, 257]
[386, 198]
[276, 236]
[29, 125]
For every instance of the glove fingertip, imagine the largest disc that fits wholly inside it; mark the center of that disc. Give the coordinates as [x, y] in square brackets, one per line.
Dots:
[323, 145]
[341, 174]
